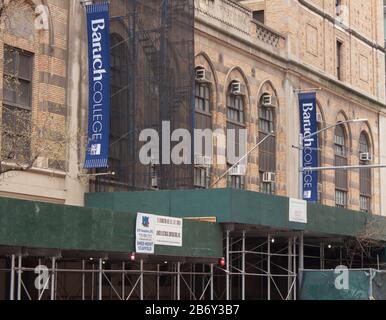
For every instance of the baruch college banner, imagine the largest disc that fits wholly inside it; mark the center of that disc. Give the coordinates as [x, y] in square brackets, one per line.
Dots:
[99, 85]
[308, 125]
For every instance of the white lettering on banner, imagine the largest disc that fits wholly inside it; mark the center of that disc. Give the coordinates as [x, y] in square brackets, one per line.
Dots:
[98, 72]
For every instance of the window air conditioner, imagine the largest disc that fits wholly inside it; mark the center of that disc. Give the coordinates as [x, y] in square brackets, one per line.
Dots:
[269, 177]
[239, 170]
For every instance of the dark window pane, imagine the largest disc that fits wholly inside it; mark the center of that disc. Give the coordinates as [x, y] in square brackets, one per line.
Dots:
[9, 61]
[25, 66]
[23, 93]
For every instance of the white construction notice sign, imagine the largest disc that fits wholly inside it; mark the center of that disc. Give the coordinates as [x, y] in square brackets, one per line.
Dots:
[157, 230]
[297, 211]
[168, 231]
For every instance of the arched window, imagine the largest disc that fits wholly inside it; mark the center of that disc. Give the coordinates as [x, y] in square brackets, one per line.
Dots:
[364, 174]
[203, 120]
[267, 150]
[341, 178]
[235, 104]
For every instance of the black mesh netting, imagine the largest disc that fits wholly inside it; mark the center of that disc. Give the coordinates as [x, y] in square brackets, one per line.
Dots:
[152, 80]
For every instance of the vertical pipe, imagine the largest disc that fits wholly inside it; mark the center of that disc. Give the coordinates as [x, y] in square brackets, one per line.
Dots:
[269, 268]
[100, 274]
[53, 272]
[243, 268]
[19, 272]
[83, 281]
[178, 281]
[141, 284]
[123, 281]
[12, 287]
[211, 282]
[321, 255]
[227, 266]
[290, 270]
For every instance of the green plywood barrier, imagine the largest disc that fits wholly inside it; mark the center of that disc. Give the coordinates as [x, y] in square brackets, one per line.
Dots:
[49, 226]
[362, 285]
[244, 207]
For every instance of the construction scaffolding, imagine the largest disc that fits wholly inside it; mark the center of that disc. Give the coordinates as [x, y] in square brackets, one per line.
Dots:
[152, 81]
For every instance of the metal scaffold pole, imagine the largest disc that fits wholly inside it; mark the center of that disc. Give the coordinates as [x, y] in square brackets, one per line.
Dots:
[269, 268]
[19, 272]
[294, 267]
[123, 277]
[301, 256]
[83, 280]
[290, 269]
[141, 281]
[100, 274]
[227, 266]
[243, 268]
[178, 281]
[53, 272]
[158, 275]
[12, 287]
[211, 283]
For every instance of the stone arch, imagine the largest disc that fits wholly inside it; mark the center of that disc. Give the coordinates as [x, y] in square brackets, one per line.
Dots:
[342, 116]
[203, 60]
[236, 73]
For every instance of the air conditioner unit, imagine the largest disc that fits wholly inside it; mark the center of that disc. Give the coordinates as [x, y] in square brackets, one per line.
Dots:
[267, 101]
[239, 170]
[154, 182]
[237, 88]
[203, 75]
[269, 177]
[319, 117]
[365, 156]
[202, 161]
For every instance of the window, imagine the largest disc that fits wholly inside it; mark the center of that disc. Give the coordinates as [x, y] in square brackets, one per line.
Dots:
[341, 198]
[259, 16]
[267, 150]
[364, 175]
[17, 105]
[339, 46]
[202, 101]
[236, 182]
[236, 121]
[338, 4]
[201, 177]
[203, 119]
[341, 178]
[235, 108]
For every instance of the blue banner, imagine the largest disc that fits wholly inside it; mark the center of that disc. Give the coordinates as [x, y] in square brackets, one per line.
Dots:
[308, 125]
[98, 28]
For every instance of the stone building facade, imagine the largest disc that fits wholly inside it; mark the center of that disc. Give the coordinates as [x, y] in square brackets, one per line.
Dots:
[281, 47]
[270, 48]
